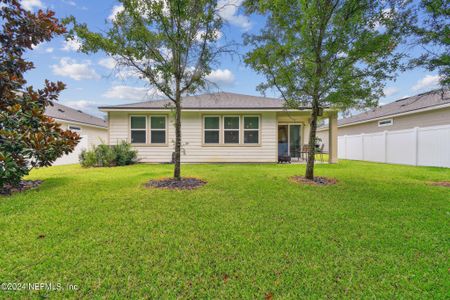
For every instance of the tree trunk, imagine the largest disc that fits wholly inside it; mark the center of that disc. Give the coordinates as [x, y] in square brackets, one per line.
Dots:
[177, 169]
[309, 174]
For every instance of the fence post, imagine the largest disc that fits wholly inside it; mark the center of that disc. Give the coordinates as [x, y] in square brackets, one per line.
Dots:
[385, 146]
[362, 146]
[416, 146]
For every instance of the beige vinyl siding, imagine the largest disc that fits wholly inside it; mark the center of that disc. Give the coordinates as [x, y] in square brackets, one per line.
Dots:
[192, 140]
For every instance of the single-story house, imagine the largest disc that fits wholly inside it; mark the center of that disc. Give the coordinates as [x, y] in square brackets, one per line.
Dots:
[93, 130]
[217, 127]
[413, 130]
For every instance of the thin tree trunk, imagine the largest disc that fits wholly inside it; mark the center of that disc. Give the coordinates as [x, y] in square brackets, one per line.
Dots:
[177, 169]
[309, 174]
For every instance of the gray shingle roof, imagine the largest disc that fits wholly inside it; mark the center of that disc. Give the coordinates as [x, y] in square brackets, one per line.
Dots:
[210, 101]
[62, 112]
[418, 102]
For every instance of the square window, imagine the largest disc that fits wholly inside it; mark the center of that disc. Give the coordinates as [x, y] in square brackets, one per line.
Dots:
[138, 137]
[138, 122]
[231, 137]
[158, 122]
[251, 137]
[158, 137]
[212, 137]
[231, 122]
[251, 122]
[212, 122]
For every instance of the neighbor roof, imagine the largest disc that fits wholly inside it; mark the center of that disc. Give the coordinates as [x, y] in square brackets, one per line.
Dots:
[220, 100]
[62, 112]
[410, 104]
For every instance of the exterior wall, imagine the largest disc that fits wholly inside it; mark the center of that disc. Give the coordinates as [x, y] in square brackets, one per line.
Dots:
[324, 136]
[90, 136]
[94, 135]
[192, 140]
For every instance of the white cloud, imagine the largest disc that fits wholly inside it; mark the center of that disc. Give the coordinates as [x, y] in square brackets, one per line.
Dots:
[30, 4]
[115, 11]
[426, 82]
[201, 34]
[70, 2]
[130, 93]
[389, 91]
[221, 77]
[228, 10]
[78, 71]
[49, 50]
[107, 62]
[81, 104]
[71, 44]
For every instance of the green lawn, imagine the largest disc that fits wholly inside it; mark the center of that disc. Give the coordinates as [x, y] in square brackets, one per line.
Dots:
[381, 232]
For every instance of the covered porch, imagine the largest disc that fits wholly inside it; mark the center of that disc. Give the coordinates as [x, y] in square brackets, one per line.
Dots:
[293, 137]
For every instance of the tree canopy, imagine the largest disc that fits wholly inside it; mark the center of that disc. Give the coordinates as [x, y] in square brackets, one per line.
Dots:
[170, 43]
[325, 53]
[28, 138]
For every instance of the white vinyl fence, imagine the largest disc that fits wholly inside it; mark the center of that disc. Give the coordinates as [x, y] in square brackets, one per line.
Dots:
[420, 146]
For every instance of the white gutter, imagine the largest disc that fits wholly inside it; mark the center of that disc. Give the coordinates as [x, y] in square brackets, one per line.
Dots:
[209, 110]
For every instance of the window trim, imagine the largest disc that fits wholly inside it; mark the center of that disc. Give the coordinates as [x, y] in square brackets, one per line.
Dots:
[204, 130]
[150, 129]
[238, 130]
[244, 130]
[390, 122]
[145, 130]
[221, 132]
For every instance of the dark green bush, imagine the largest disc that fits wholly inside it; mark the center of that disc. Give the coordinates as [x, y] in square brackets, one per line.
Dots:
[109, 156]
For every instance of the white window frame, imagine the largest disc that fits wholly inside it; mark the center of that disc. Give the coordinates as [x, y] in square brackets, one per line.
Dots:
[390, 122]
[157, 129]
[145, 130]
[238, 129]
[219, 129]
[244, 130]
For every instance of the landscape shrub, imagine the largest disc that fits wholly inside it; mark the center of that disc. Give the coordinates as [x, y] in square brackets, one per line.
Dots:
[108, 156]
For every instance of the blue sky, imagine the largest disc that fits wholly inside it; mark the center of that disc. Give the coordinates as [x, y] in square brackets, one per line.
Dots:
[92, 82]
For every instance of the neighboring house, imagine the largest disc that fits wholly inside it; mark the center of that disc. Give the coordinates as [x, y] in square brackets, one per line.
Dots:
[413, 130]
[219, 127]
[92, 130]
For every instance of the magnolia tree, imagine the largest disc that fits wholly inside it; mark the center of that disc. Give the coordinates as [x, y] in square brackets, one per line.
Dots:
[325, 53]
[172, 44]
[28, 138]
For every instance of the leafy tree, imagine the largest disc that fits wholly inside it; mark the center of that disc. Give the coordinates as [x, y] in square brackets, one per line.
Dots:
[170, 43]
[325, 53]
[28, 138]
[433, 34]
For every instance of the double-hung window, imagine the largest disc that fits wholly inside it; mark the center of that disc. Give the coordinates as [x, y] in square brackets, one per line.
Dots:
[251, 130]
[157, 129]
[138, 127]
[211, 127]
[231, 129]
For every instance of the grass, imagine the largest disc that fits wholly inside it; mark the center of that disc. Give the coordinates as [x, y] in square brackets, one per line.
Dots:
[381, 232]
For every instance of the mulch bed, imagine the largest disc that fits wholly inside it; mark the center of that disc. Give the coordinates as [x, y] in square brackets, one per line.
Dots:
[23, 186]
[318, 180]
[186, 183]
[441, 183]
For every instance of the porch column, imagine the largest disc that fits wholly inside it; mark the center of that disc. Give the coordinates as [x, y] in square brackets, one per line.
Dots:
[332, 138]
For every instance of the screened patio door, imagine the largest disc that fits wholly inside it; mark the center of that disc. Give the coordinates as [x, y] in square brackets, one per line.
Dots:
[289, 140]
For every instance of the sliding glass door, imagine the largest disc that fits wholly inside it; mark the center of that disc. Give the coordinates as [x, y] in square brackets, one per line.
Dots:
[289, 140]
